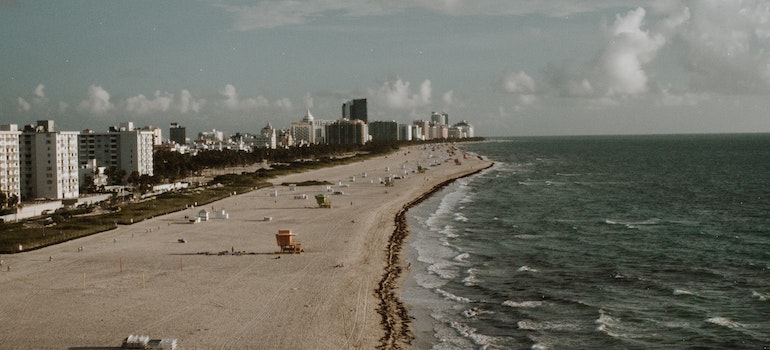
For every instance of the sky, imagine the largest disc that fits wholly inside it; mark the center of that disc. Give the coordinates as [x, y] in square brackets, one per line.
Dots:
[508, 67]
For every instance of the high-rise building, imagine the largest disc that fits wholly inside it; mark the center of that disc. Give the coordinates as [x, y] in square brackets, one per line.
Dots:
[347, 132]
[177, 134]
[10, 174]
[49, 162]
[355, 110]
[124, 148]
[383, 130]
[439, 118]
[461, 130]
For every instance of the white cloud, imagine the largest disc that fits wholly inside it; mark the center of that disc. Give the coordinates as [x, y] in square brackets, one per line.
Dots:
[518, 83]
[233, 102]
[284, 103]
[398, 94]
[40, 94]
[142, 105]
[24, 106]
[187, 103]
[63, 106]
[98, 101]
[726, 44]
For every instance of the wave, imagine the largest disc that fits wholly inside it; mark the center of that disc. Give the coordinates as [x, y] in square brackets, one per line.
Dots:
[444, 270]
[726, 322]
[605, 322]
[759, 296]
[472, 279]
[683, 292]
[461, 258]
[459, 217]
[474, 311]
[452, 297]
[633, 224]
[468, 332]
[526, 268]
[524, 304]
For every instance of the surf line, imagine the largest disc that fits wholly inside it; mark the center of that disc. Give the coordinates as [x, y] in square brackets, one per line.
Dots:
[395, 318]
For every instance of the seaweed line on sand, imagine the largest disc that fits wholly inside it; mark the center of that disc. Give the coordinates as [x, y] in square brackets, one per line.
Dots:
[396, 321]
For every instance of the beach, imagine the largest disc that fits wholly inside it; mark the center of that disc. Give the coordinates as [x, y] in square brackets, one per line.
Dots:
[226, 288]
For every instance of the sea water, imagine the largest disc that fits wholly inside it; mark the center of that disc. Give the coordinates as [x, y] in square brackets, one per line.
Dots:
[611, 242]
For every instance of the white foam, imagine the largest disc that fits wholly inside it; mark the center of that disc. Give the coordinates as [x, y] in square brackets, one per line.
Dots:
[483, 341]
[725, 322]
[461, 258]
[460, 217]
[526, 268]
[605, 322]
[472, 279]
[452, 297]
[444, 270]
[759, 296]
[682, 292]
[523, 304]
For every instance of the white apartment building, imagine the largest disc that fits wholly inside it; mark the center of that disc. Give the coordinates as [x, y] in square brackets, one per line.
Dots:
[48, 162]
[124, 148]
[10, 173]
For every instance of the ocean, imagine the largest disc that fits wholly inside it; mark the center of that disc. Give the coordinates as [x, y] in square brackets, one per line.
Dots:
[597, 242]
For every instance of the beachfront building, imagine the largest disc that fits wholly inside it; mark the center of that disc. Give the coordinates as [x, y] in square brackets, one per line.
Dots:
[405, 132]
[347, 132]
[383, 130]
[266, 138]
[461, 130]
[157, 135]
[439, 118]
[10, 173]
[177, 134]
[423, 126]
[48, 162]
[355, 110]
[125, 148]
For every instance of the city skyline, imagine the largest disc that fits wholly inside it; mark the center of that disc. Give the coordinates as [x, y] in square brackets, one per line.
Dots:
[512, 68]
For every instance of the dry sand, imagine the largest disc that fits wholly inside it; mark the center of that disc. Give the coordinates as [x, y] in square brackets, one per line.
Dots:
[139, 279]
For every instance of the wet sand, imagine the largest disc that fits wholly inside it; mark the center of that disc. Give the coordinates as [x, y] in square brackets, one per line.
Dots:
[226, 288]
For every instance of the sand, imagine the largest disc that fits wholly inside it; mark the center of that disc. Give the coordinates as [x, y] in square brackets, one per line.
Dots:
[92, 292]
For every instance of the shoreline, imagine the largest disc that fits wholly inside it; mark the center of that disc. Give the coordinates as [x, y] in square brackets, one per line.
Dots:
[396, 320]
[141, 279]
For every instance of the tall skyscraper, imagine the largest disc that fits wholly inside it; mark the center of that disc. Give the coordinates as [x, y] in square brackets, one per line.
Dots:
[355, 110]
[124, 148]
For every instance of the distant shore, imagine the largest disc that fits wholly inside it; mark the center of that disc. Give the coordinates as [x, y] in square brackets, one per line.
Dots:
[139, 279]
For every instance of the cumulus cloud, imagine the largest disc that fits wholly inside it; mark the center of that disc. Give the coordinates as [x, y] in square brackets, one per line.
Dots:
[619, 70]
[98, 101]
[142, 105]
[398, 94]
[187, 103]
[518, 83]
[24, 106]
[233, 102]
[726, 45]
[40, 94]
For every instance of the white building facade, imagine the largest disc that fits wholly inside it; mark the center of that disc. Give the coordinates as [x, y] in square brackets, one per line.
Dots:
[10, 172]
[49, 162]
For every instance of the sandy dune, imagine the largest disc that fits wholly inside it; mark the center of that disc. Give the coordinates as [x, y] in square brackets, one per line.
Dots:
[139, 279]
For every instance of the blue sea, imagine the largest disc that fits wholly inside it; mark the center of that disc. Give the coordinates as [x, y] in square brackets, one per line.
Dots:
[600, 242]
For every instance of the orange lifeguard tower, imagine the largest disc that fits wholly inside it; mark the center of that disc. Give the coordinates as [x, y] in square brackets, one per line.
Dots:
[285, 240]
